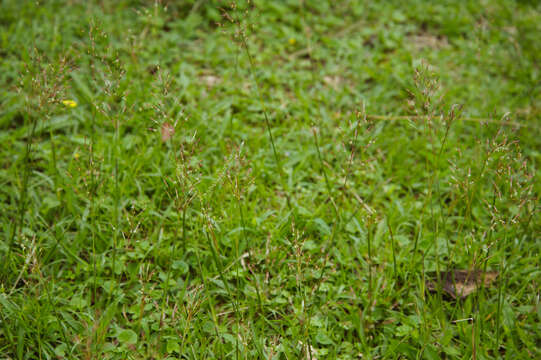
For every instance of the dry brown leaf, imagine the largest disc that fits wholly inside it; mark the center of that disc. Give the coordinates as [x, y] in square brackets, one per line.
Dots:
[210, 80]
[425, 40]
[333, 81]
[461, 283]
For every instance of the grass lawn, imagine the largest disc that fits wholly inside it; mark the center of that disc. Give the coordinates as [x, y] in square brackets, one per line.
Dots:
[272, 180]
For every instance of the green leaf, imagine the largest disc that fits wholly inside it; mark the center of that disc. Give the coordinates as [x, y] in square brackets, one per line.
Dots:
[181, 266]
[78, 302]
[229, 338]
[173, 346]
[127, 337]
[403, 330]
[323, 339]
[60, 351]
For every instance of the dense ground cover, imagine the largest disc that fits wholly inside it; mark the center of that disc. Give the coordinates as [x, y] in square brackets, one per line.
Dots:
[199, 179]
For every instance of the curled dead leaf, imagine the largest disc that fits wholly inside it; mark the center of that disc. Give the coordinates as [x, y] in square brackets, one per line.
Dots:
[460, 283]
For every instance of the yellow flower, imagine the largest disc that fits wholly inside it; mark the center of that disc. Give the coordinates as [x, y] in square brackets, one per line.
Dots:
[76, 156]
[69, 103]
[292, 41]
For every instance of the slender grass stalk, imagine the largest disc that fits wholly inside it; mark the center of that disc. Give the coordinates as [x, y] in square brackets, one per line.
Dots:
[92, 189]
[238, 195]
[92, 204]
[503, 268]
[211, 305]
[393, 249]
[189, 314]
[184, 209]
[54, 166]
[237, 318]
[415, 245]
[116, 208]
[499, 306]
[369, 244]
[91, 163]
[245, 238]
[327, 182]
[337, 222]
[164, 301]
[17, 225]
[479, 314]
[432, 168]
[212, 243]
[39, 329]
[267, 121]
[473, 338]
